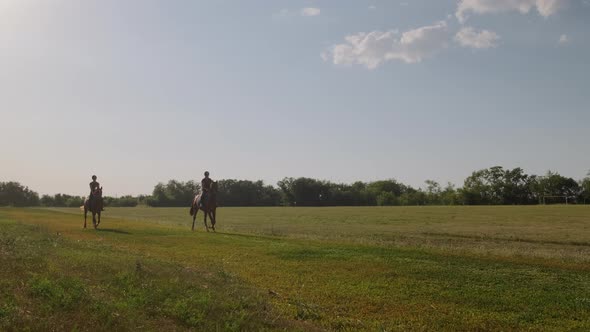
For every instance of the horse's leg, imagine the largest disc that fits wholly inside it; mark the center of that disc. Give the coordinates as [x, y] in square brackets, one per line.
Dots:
[94, 219]
[206, 212]
[85, 215]
[98, 222]
[195, 217]
[212, 216]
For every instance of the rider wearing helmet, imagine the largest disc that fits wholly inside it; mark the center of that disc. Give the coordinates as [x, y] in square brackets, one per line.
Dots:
[94, 186]
[206, 187]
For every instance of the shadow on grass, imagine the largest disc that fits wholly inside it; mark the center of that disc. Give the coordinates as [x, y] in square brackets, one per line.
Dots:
[110, 230]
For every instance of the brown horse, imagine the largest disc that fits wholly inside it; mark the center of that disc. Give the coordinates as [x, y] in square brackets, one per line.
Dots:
[209, 207]
[94, 206]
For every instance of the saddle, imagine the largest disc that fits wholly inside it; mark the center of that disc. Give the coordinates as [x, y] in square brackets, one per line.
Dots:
[95, 194]
[202, 199]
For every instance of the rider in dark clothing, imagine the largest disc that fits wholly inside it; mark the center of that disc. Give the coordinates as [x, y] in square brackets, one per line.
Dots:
[205, 187]
[94, 186]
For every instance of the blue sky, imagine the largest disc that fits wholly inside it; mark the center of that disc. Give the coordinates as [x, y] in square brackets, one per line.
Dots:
[140, 92]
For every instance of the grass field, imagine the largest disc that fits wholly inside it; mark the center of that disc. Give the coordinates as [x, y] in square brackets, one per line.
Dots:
[401, 268]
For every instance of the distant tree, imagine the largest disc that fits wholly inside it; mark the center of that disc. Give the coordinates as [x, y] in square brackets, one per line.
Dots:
[433, 192]
[496, 185]
[174, 193]
[585, 189]
[475, 190]
[359, 193]
[312, 192]
[247, 193]
[414, 197]
[375, 189]
[74, 201]
[59, 200]
[516, 187]
[142, 199]
[342, 195]
[305, 192]
[47, 200]
[123, 201]
[286, 187]
[553, 184]
[62, 200]
[386, 198]
[15, 194]
[450, 195]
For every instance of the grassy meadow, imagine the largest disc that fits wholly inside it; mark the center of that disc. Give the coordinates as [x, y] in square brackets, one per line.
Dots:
[375, 269]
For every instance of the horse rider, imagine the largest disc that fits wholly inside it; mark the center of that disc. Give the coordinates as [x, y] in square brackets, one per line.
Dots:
[205, 187]
[94, 186]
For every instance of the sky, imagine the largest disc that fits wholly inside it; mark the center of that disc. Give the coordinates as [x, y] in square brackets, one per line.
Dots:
[143, 91]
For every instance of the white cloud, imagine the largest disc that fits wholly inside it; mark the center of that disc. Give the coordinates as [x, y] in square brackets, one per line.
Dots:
[290, 13]
[310, 11]
[374, 48]
[283, 12]
[544, 7]
[564, 39]
[469, 37]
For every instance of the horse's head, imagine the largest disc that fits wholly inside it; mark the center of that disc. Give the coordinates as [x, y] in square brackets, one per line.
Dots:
[98, 192]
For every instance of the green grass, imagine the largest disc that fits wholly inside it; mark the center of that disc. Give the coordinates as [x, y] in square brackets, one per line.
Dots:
[411, 268]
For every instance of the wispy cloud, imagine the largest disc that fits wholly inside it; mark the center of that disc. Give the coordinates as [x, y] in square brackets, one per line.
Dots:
[306, 12]
[310, 11]
[377, 47]
[564, 39]
[544, 7]
[469, 37]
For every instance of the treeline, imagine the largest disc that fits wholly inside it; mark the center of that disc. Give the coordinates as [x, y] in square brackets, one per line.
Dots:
[492, 186]
[17, 195]
[230, 193]
[63, 200]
